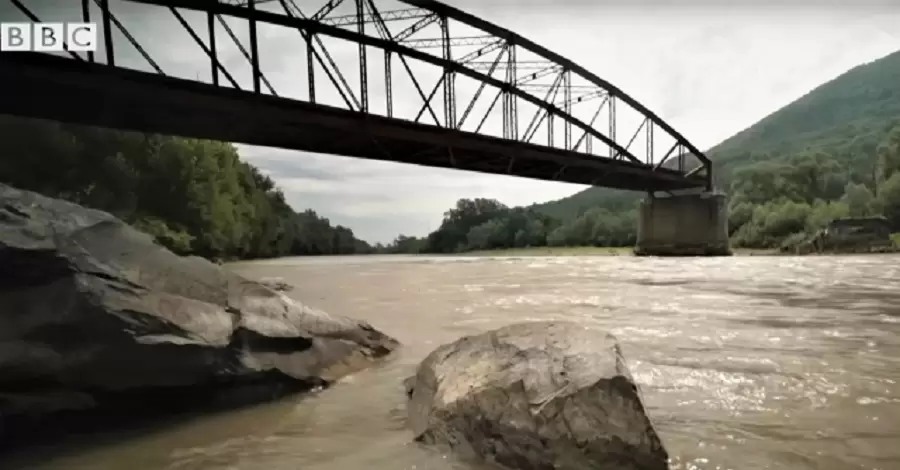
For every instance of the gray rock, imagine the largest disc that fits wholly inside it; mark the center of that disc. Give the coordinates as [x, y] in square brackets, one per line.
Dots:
[94, 312]
[535, 396]
[276, 283]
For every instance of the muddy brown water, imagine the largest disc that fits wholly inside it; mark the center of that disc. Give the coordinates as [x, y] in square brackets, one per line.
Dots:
[745, 363]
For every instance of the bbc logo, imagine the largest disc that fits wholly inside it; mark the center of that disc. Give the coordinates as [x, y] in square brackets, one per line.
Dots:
[48, 37]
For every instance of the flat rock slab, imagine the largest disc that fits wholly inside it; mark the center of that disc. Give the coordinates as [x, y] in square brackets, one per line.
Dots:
[535, 396]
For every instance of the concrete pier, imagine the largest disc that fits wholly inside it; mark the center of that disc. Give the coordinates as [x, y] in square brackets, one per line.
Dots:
[683, 225]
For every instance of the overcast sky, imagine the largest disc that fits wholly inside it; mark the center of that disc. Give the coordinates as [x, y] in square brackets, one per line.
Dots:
[709, 71]
[710, 68]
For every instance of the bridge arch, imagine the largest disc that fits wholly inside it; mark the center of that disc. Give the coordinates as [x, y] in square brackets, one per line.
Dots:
[465, 56]
[565, 64]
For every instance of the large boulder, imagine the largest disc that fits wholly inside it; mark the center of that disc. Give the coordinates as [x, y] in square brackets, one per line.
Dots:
[535, 396]
[94, 313]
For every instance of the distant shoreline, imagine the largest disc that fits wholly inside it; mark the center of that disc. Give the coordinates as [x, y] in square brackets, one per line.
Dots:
[554, 251]
[590, 251]
[570, 251]
[628, 251]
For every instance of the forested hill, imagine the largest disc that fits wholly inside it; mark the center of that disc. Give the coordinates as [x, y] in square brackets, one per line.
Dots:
[847, 118]
[195, 196]
[834, 152]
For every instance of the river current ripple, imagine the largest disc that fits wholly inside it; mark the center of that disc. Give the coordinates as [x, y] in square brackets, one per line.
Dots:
[745, 363]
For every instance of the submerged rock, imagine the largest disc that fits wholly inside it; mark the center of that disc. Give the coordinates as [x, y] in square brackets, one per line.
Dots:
[94, 314]
[535, 396]
[276, 283]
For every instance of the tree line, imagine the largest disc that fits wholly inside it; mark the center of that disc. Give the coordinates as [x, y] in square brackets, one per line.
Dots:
[198, 197]
[487, 224]
[195, 196]
[773, 200]
[779, 201]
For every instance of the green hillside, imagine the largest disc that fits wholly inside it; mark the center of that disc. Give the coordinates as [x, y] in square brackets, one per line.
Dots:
[847, 117]
[834, 152]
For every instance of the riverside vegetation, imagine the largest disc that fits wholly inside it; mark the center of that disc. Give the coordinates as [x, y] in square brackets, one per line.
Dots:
[832, 153]
[194, 196]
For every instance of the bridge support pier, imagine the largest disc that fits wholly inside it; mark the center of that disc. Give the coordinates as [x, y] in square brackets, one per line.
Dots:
[683, 225]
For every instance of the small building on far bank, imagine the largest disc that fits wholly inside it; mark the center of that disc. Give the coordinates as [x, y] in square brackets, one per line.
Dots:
[875, 228]
[853, 235]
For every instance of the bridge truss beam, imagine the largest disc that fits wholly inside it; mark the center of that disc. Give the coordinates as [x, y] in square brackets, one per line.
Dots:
[512, 72]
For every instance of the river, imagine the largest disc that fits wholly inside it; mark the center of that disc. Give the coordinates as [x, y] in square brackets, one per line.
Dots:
[745, 363]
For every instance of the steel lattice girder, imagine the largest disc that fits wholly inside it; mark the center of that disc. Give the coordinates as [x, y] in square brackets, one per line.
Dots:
[513, 87]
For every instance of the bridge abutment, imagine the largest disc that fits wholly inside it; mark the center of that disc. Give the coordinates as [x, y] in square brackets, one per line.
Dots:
[683, 225]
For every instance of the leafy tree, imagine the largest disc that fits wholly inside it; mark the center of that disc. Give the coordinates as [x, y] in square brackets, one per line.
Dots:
[859, 200]
[452, 235]
[890, 200]
[194, 196]
[822, 213]
[889, 155]
[403, 244]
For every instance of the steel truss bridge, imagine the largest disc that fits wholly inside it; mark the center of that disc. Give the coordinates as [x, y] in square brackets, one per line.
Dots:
[424, 83]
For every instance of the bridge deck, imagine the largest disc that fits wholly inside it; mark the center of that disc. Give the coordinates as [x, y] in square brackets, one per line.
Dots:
[45, 86]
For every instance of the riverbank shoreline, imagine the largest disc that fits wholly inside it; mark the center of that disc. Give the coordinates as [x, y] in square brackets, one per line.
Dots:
[589, 251]
[553, 251]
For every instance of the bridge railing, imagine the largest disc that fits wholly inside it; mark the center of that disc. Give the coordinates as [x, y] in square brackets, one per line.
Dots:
[418, 60]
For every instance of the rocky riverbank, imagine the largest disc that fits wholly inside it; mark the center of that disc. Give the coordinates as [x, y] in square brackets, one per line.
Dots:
[99, 323]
